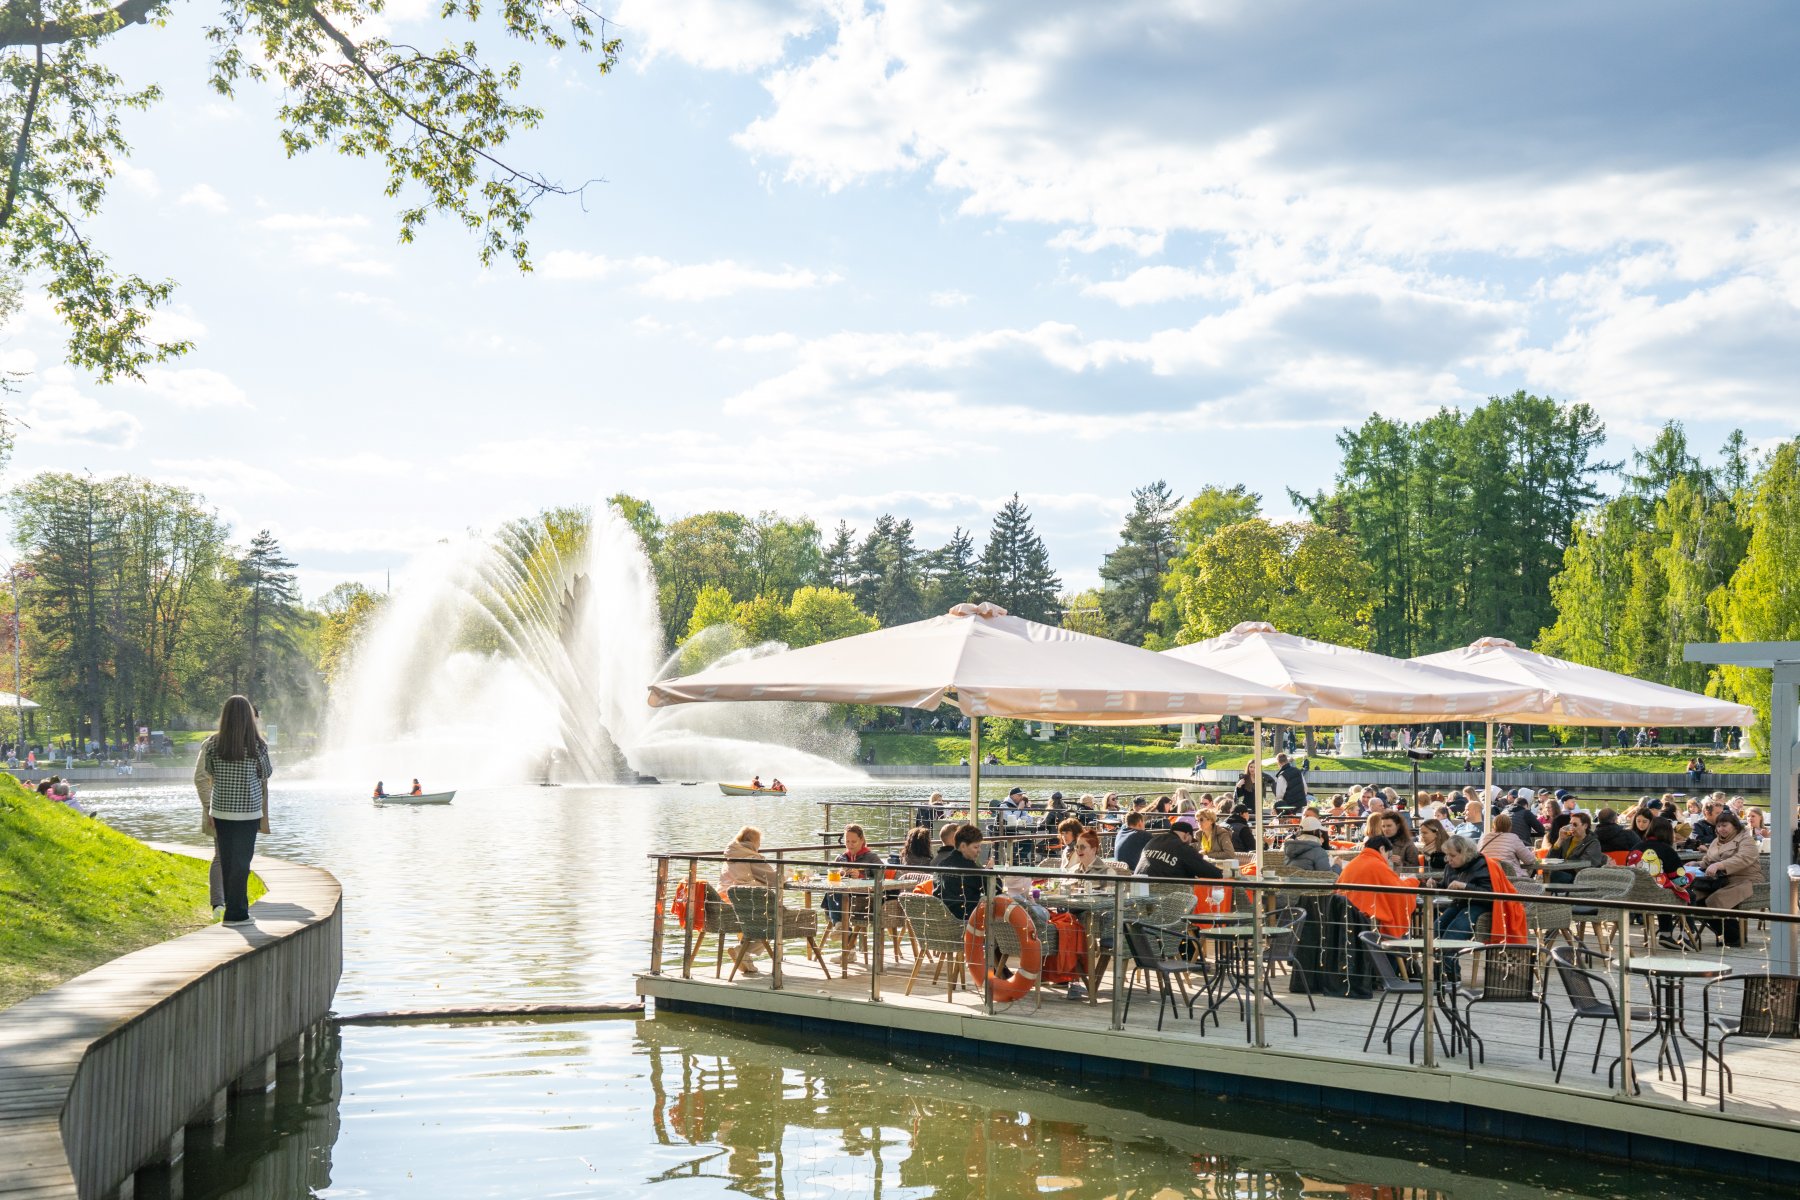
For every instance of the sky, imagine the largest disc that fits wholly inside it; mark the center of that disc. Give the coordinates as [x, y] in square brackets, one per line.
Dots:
[843, 258]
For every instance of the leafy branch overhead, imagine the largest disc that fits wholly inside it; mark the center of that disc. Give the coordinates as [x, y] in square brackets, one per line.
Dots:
[438, 121]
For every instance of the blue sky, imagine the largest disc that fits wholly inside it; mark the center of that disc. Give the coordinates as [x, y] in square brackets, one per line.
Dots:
[851, 258]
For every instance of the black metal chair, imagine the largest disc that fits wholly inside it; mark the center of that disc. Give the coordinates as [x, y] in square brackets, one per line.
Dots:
[1281, 947]
[1509, 975]
[1140, 939]
[1769, 1008]
[1592, 998]
[1392, 984]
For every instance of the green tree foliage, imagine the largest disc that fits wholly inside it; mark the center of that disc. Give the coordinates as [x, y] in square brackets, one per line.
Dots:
[698, 552]
[950, 573]
[439, 121]
[824, 614]
[1015, 568]
[346, 612]
[267, 579]
[1464, 518]
[1211, 509]
[1302, 578]
[1761, 602]
[837, 565]
[641, 516]
[1085, 612]
[1640, 569]
[1133, 573]
[782, 555]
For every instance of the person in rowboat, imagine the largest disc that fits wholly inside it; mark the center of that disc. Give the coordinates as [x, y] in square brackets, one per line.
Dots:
[417, 790]
[756, 782]
[380, 790]
[775, 785]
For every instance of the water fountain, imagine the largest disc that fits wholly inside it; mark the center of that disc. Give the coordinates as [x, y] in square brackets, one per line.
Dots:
[525, 654]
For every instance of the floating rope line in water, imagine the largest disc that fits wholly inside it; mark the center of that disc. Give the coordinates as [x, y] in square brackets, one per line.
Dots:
[493, 1012]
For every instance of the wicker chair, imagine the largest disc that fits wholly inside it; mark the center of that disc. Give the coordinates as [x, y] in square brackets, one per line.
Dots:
[720, 920]
[1006, 941]
[1546, 919]
[755, 909]
[1609, 883]
[1326, 879]
[937, 934]
[1769, 1008]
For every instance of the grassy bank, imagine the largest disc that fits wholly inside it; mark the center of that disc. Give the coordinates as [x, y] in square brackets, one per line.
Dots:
[76, 893]
[1091, 749]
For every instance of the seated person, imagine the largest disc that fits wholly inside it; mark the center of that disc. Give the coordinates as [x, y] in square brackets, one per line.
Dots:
[1067, 830]
[1131, 841]
[1465, 870]
[961, 890]
[1390, 911]
[745, 866]
[1579, 843]
[856, 853]
[1614, 837]
[1172, 855]
[1087, 860]
[1503, 846]
[417, 790]
[1305, 848]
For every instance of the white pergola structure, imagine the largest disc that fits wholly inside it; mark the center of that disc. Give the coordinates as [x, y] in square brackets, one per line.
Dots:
[1783, 659]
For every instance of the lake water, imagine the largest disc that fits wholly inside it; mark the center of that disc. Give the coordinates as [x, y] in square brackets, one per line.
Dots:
[543, 895]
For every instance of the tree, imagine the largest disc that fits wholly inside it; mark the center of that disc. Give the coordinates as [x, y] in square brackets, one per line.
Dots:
[68, 532]
[783, 555]
[702, 551]
[267, 579]
[949, 573]
[1133, 573]
[439, 121]
[1085, 612]
[900, 592]
[1211, 509]
[763, 619]
[1015, 568]
[1761, 601]
[1302, 578]
[837, 566]
[641, 516]
[824, 614]
[346, 612]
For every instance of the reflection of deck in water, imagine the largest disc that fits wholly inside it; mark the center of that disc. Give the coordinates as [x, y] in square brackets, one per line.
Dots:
[1509, 1097]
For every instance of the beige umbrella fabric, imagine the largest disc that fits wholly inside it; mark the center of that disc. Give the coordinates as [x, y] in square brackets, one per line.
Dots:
[1346, 686]
[990, 664]
[1576, 695]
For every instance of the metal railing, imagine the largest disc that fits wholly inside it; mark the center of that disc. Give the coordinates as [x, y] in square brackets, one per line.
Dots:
[1238, 945]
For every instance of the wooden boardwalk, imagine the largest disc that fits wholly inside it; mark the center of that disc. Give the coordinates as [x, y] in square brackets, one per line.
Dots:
[1761, 1119]
[100, 1075]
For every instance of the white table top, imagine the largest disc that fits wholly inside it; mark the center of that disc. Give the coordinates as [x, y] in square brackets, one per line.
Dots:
[1668, 964]
[1455, 944]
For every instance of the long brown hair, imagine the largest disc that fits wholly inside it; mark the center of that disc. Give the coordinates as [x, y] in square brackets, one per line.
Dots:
[237, 737]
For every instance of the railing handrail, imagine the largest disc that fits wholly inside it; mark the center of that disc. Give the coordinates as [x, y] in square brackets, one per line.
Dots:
[1250, 883]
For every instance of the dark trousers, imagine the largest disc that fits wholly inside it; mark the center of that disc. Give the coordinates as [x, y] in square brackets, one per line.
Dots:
[234, 842]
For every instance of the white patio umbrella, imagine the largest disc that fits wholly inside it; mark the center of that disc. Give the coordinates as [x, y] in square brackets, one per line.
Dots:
[1347, 685]
[1571, 694]
[990, 664]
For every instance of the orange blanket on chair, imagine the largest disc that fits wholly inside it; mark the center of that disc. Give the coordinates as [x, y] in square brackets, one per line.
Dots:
[1507, 926]
[1391, 913]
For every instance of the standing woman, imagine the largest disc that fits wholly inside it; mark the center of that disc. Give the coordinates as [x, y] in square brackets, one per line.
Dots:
[232, 777]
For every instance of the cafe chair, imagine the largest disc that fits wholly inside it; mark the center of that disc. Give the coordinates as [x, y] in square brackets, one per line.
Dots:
[1141, 941]
[937, 934]
[1508, 975]
[1768, 1008]
[1591, 998]
[755, 909]
[1394, 985]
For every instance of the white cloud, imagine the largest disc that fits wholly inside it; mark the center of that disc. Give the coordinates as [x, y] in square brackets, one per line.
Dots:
[140, 179]
[175, 324]
[363, 463]
[57, 414]
[206, 198]
[190, 387]
[758, 343]
[1153, 285]
[1095, 240]
[225, 475]
[729, 35]
[950, 298]
[325, 240]
[713, 280]
[568, 457]
[578, 264]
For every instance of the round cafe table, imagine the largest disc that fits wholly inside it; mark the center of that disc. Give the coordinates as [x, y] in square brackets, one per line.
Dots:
[1668, 975]
[1445, 987]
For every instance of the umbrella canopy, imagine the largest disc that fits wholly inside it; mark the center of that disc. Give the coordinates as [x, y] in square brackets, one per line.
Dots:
[1346, 686]
[1578, 695]
[990, 664]
[9, 700]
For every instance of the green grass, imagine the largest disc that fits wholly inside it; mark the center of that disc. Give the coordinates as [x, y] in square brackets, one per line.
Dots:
[76, 893]
[1089, 749]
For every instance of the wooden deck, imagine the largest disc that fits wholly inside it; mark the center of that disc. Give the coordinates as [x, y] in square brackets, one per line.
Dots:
[100, 1075]
[1761, 1118]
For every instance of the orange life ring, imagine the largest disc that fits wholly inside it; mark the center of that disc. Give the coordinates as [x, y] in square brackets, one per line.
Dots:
[1031, 951]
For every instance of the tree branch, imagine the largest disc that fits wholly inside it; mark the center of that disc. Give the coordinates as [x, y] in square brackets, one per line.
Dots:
[20, 26]
[24, 143]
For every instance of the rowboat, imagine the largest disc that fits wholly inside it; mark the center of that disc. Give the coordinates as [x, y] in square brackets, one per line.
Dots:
[427, 798]
[738, 789]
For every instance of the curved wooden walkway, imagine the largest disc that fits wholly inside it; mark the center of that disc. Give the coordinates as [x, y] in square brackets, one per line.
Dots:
[101, 1075]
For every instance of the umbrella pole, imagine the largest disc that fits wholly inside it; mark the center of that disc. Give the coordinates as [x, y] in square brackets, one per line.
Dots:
[975, 770]
[1256, 765]
[1488, 754]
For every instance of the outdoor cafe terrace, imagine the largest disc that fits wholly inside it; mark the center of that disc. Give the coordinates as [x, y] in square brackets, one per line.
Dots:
[1585, 1034]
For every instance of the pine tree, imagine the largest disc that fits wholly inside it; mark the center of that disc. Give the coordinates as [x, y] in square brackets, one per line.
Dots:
[1134, 572]
[1015, 567]
[950, 573]
[269, 598]
[899, 592]
[865, 580]
[838, 566]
